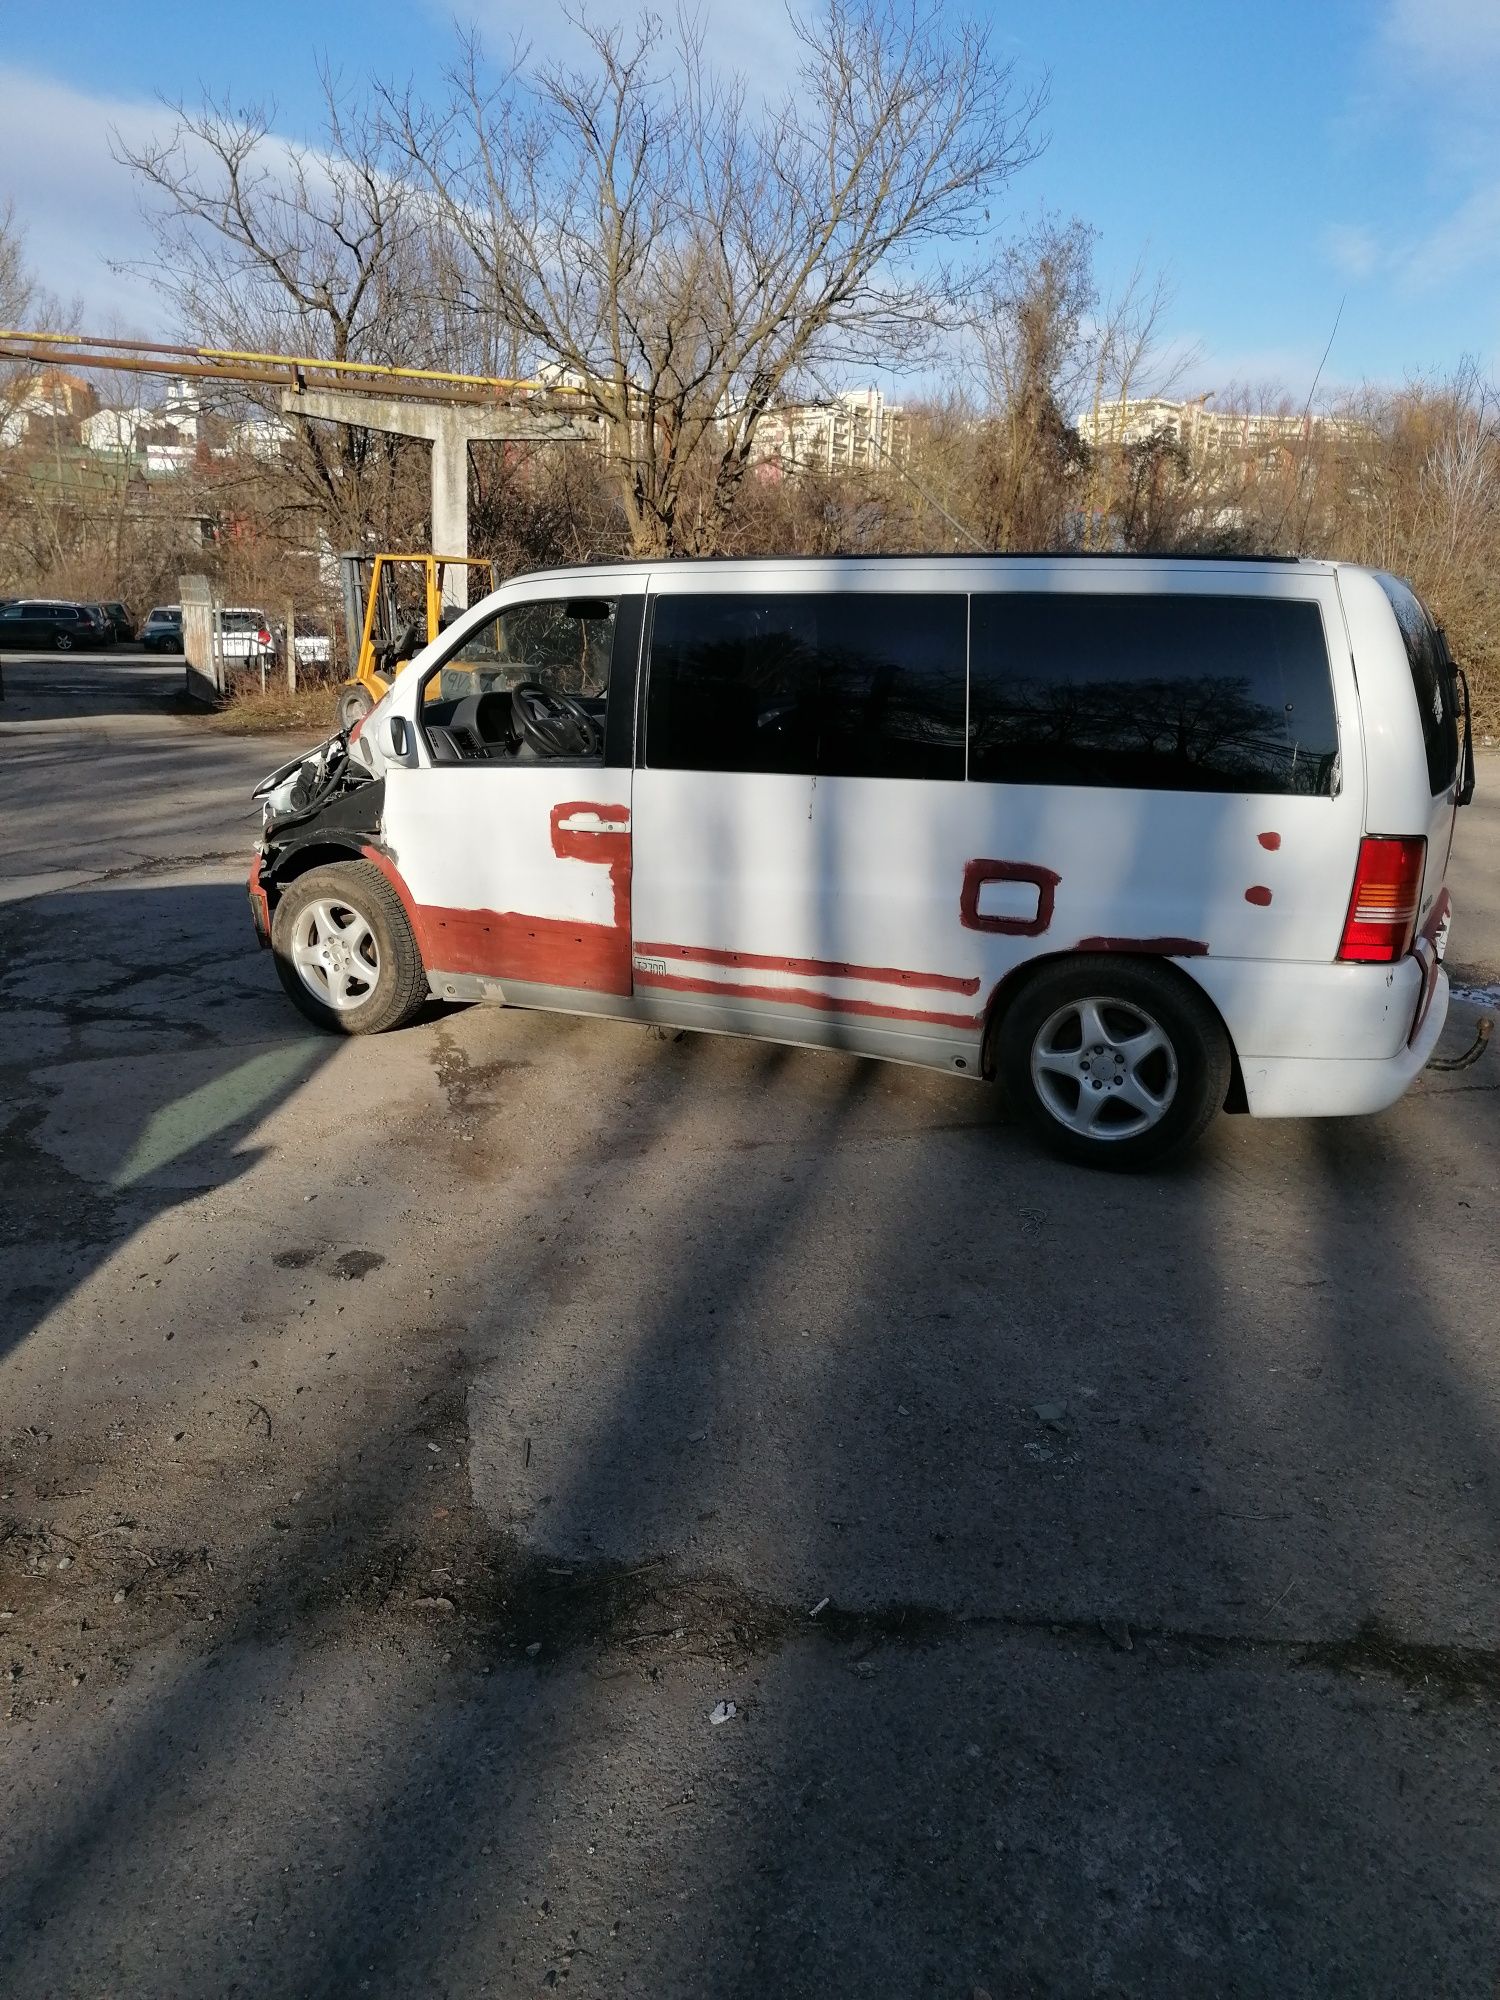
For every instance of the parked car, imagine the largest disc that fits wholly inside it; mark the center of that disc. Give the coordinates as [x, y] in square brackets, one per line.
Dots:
[314, 644]
[1141, 838]
[162, 631]
[121, 620]
[245, 637]
[49, 623]
[103, 624]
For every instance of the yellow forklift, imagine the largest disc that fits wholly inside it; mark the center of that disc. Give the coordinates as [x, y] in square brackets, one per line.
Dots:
[393, 606]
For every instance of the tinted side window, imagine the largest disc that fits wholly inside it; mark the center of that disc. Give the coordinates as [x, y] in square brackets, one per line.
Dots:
[838, 684]
[1155, 693]
[1433, 679]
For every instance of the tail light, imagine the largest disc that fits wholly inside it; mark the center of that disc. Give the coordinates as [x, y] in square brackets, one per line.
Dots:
[1383, 909]
[263, 637]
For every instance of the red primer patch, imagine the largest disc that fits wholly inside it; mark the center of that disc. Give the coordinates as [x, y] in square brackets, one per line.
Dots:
[816, 968]
[802, 996]
[1155, 947]
[978, 873]
[1270, 841]
[541, 951]
[1258, 894]
[261, 903]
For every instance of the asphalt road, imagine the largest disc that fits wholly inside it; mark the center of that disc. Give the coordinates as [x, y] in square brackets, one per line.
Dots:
[406, 1447]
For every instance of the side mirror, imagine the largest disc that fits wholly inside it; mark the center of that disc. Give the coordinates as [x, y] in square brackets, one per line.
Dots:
[398, 736]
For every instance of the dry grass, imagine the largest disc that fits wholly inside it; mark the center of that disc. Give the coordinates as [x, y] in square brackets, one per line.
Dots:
[248, 712]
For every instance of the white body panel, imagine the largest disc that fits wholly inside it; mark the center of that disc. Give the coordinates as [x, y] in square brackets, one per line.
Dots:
[882, 914]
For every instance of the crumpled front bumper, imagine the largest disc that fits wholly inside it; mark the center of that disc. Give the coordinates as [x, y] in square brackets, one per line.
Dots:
[260, 905]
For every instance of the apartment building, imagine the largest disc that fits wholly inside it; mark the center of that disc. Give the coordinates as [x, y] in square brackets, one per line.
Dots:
[855, 430]
[1204, 432]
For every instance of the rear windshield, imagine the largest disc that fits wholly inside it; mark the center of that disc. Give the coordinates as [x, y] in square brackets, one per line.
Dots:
[1434, 681]
[242, 621]
[1151, 692]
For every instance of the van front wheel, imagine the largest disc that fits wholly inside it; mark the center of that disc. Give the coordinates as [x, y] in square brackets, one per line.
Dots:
[1113, 1062]
[345, 952]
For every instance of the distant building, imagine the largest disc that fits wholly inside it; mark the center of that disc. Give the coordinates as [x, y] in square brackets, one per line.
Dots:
[53, 404]
[113, 433]
[158, 439]
[857, 430]
[259, 437]
[170, 444]
[1201, 431]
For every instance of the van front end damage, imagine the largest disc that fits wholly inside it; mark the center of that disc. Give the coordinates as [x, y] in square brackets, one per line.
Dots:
[326, 805]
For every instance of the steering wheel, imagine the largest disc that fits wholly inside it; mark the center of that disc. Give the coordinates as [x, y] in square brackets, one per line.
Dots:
[401, 647]
[555, 725]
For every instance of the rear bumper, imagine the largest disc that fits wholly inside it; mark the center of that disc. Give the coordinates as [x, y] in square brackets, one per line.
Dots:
[1329, 1041]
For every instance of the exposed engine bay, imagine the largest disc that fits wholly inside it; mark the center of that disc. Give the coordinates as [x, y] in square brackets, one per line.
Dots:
[298, 790]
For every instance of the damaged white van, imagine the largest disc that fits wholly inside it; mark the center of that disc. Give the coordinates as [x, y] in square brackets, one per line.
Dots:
[1141, 838]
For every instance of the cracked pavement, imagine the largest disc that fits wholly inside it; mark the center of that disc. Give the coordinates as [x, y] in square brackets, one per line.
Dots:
[405, 1447]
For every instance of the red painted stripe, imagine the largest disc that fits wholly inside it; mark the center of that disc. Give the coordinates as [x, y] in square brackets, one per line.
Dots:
[824, 968]
[1157, 947]
[802, 996]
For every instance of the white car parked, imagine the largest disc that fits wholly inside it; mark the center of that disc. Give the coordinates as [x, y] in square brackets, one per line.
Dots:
[244, 636]
[1142, 838]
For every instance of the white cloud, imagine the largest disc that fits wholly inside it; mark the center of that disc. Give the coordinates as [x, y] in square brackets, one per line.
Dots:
[1352, 249]
[751, 38]
[1448, 39]
[1467, 241]
[1257, 374]
[78, 208]
[1431, 93]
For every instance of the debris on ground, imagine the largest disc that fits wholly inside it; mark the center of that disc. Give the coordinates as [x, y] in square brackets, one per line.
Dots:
[1053, 1415]
[723, 1711]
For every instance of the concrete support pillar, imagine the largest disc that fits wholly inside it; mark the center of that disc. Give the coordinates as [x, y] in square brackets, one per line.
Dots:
[450, 428]
[450, 501]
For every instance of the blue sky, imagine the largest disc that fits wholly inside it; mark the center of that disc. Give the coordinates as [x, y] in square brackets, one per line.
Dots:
[1275, 158]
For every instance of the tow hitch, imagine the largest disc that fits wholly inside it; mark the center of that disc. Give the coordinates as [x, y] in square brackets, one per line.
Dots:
[1483, 1029]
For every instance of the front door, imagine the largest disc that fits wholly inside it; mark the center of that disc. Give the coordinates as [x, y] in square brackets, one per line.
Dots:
[510, 838]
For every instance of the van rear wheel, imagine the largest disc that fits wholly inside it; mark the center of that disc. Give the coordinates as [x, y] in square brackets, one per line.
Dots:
[1113, 1062]
[345, 951]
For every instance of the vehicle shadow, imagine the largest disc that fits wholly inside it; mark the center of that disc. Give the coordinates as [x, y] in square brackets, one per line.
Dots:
[136, 1062]
[1094, 1575]
[1079, 1469]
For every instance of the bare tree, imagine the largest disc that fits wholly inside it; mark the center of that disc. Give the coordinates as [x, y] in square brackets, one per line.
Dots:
[682, 257]
[265, 246]
[1031, 334]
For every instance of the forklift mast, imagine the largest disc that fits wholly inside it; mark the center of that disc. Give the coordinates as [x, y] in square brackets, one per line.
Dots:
[381, 631]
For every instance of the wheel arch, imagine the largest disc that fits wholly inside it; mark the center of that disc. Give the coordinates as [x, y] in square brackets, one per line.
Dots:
[321, 852]
[1014, 983]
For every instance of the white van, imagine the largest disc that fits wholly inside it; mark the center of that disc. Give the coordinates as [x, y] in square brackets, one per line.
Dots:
[1140, 837]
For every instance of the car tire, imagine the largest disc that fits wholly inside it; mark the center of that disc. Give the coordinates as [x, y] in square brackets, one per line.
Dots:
[350, 908]
[1112, 1061]
[354, 704]
[62, 642]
